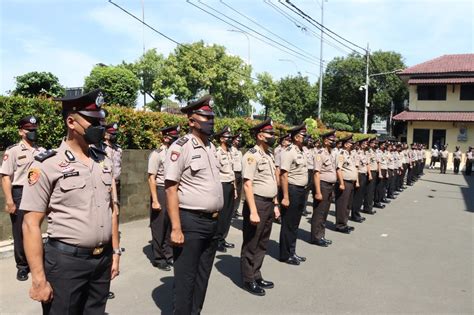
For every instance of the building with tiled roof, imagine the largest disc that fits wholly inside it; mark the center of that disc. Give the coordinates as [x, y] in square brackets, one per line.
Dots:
[441, 102]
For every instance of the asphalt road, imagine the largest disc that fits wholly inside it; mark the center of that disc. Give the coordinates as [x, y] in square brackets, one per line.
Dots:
[414, 256]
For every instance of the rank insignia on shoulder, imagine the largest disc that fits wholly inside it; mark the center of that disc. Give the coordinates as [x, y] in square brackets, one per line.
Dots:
[45, 155]
[181, 141]
[252, 150]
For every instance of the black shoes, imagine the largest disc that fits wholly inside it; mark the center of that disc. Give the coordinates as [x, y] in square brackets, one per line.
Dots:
[320, 242]
[392, 197]
[327, 241]
[385, 200]
[372, 212]
[379, 205]
[358, 220]
[22, 275]
[291, 261]
[306, 213]
[299, 258]
[221, 248]
[351, 228]
[264, 284]
[228, 245]
[110, 296]
[344, 230]
[163, 265]
[253, 288]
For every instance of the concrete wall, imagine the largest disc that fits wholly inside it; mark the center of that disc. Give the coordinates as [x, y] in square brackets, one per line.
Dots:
[134, 197]
[452, 102]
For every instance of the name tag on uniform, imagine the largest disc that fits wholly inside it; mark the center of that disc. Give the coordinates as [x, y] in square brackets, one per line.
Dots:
[71, 174]
[195, 157]
[22, 157]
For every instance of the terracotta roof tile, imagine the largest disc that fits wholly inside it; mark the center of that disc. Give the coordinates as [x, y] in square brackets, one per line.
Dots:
[441, 81]
[444, 64]
[435, 116]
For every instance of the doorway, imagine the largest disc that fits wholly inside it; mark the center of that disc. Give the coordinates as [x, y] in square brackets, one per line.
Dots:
[439, 137]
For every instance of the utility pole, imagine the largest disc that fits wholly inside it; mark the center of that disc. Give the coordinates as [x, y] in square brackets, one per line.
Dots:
[366, 105]
[320, 100]
[143, 39]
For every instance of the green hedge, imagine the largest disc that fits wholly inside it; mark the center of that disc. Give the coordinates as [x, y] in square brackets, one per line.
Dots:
[138, 129]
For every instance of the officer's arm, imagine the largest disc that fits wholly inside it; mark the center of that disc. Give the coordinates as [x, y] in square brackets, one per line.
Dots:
[115, 215]
[33, 245]
[152, 185]
[277, 173]
[7, 189]
[248, 190]
[284, 183]
[317, 182]
[172, 203]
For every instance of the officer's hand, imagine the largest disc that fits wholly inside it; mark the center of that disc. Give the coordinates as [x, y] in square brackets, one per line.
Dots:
[318, 196]
[380, 176]
[254, 218]
[357, 185]
[115, 271]
[342, 187]
[370, 178]
[285, 202]
[10, 207]
[236, 195]
[177, 238]
[276, 211]
[155, 206]
[42, 292]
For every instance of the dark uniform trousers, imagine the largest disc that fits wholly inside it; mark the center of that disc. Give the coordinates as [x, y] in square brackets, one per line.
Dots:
[343, 203]
[80, 282]
[17, 222]
[391, 182]
[193, 261]
[468, 167]
[404, 174]
[309, 188]
[444, 163]
[410, 175]
[359, 194]
[381, 182]
[160, 230]
[456, 162]
[255, 238]
[238, 182]
[321, 211]
[290, 221]
[225, 215]
[370, 192]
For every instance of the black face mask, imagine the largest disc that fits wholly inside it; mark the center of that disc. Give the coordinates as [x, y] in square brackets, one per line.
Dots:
[94, 134]
[113, 138]
[332, 144]
[228, 142]
[32, 136]
[270, 141]
[206, 127]
[172, 139]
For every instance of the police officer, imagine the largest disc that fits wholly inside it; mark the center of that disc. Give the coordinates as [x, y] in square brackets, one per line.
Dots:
[383, 174]
[293, 179]
[371, 178]
[469, 160]
[457, 155]
[114, 152]
[284, 142]
[227, 177]
[324, 182]
[444, 154]
[308, 148]
[260, 207]
[16, 161]
[364, 174]
[74, 186]
[194, 198]
[237, 160]
[159, 218]
[347, 175]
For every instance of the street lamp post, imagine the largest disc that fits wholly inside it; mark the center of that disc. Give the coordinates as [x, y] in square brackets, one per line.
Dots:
[248, 41]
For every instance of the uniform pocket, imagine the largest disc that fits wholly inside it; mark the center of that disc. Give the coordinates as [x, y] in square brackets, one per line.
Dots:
[197, 165]
[72, 183]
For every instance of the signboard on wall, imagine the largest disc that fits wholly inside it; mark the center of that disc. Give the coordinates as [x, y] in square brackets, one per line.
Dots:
[462, 136]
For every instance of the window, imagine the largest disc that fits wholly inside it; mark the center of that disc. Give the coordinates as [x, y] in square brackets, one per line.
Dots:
[467, 92]
[421, 136]
[439, 137]
[431, 92]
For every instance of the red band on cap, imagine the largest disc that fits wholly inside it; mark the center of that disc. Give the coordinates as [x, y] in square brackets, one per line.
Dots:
[172, 132]
[29, 126]
[267, 127]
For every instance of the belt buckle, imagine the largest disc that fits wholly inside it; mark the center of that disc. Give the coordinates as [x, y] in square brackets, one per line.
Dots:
[215, 214]
[97, 251]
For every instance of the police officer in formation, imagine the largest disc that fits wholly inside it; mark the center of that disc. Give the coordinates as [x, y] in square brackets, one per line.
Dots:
[457, 155]
[293, 179]
[444, 154]
[159, 218]
[194, 197]
[469, 160]
[14, 170]
[114, 152]
[364, 176]
[229, 188]
[372, 176]
[260, 207]
[237, 163]
[75, 187]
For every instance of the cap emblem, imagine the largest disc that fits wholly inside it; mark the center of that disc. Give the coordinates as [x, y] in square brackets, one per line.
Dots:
[99, 101]
[32, 120]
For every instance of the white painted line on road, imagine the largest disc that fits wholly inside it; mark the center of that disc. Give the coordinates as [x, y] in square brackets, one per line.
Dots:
[384, 235]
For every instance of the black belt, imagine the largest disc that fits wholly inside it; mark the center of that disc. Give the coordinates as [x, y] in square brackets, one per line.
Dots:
[327, 183]
[78, 251]
[202, 214]
[263, 198]
[297, 186]
[17, 187]
[349, 181]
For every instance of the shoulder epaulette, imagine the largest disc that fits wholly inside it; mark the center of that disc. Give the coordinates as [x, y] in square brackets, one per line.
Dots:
[40, 157]
[181, 141]
[158, 150]
[12, 146]
[289, 148]
[252, 150]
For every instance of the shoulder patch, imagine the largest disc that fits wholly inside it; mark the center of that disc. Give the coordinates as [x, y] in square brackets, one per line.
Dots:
[250, 159]
[252, 150]
[40, 157]
[33, 175]
[181, 141]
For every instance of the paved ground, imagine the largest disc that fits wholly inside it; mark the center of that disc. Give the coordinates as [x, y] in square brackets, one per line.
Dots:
[415, 256]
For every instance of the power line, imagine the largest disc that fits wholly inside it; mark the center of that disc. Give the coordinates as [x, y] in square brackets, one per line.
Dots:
[294, 53]
[173, 40]
[322, 26]
[311, 21]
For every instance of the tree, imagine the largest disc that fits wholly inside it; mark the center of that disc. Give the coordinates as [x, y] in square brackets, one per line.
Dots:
[119, 84]
[194, 69]
[341, 121]
[267, 93]
[35, 83]
[296, 98]
[149, 70]
[345, 76]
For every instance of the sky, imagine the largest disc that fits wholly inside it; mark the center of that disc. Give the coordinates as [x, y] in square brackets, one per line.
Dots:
[69, 37]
